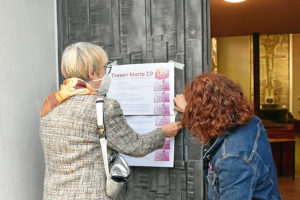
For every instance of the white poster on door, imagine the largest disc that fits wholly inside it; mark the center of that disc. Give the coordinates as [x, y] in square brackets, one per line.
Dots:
[145, 93]
[163, 157]
[143, 89]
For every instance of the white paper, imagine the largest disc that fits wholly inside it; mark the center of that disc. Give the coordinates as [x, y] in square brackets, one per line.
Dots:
[145, 93]
[143, 89]
[163, 157]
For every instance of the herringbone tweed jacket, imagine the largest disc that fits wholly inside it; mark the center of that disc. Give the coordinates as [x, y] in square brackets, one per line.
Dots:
[72, 151]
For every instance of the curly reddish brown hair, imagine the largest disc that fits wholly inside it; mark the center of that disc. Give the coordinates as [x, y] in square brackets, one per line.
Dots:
[214, 103]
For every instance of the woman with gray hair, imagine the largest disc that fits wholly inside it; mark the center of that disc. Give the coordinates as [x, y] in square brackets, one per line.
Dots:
[68, 128]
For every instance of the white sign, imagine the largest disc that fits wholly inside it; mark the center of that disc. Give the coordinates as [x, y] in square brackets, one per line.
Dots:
[163, 157]
[143, 89]
[145, 93]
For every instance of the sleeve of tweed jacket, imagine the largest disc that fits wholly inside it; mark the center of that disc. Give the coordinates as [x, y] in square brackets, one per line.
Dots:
[122, 138]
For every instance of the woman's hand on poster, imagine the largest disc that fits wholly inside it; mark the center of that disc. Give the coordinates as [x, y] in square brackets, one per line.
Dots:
[171, 129]
[180, 103]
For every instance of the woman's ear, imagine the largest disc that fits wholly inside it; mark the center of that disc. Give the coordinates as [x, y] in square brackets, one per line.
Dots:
[92, 75]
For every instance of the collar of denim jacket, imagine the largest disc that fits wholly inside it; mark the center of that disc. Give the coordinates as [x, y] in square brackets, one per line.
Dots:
[216, 144]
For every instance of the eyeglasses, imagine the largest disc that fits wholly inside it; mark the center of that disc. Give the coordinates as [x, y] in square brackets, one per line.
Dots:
[108, 68]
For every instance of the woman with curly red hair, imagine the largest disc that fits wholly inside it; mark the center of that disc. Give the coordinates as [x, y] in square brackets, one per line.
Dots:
[239, 163]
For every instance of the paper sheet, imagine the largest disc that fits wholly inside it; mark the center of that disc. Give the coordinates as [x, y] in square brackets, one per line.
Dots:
[163, 157]
[145, 93]
[144, 89]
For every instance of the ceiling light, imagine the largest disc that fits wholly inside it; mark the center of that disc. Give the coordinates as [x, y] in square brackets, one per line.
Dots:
[234, 1]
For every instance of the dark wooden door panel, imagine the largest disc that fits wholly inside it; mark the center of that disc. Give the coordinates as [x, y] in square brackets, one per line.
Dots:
[143, 31]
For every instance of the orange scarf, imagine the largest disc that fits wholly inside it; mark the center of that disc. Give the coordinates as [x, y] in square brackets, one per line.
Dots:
[70, 87]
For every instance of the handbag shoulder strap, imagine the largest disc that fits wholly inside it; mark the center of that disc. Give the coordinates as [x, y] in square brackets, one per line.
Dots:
[103, 143]
[100, 116]
[101, 130]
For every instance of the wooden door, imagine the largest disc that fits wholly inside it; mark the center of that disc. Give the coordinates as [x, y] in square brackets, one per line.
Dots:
[143, 31]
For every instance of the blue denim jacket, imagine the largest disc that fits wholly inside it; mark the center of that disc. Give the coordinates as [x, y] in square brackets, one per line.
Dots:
[242, 167]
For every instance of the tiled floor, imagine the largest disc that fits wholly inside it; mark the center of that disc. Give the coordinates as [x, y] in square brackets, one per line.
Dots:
[289, 188]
